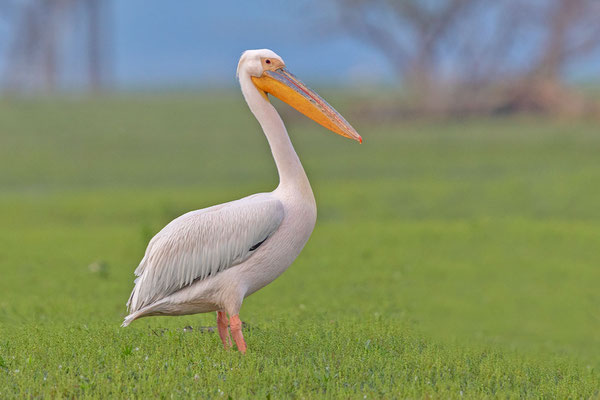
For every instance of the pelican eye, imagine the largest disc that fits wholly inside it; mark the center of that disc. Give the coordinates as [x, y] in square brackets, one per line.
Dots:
[268, 61]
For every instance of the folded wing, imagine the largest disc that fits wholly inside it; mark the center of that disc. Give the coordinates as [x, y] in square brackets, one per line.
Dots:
[203, 243]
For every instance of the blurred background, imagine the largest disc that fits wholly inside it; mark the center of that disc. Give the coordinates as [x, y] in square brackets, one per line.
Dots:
[471, 212]
[451, 57]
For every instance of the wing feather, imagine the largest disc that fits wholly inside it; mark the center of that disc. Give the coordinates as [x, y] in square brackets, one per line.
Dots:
[203, 243]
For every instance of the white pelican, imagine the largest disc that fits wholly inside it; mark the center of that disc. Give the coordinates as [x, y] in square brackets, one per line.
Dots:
[211, 259]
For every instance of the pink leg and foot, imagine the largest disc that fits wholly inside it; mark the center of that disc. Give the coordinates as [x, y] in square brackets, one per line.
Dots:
[222, 327]
[236, 332]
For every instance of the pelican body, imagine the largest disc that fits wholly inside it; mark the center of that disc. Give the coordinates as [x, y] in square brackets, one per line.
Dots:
[211, 259]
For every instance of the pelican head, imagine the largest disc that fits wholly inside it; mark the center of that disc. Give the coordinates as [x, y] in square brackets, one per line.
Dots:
[270, 76]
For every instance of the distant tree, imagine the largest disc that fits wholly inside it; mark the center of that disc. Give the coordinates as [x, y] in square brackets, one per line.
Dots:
[479, 55]
[35, 55]
[410, 34]
[569, 31]
[97, 50]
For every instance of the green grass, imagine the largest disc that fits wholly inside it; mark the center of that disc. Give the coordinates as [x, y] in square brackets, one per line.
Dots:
[450, 259]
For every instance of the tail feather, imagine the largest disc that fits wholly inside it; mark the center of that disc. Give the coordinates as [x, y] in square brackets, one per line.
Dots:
[135, 314]
[132, 317]
[128, 319]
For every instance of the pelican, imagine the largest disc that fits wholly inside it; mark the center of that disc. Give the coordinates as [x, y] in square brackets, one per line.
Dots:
[211, 259]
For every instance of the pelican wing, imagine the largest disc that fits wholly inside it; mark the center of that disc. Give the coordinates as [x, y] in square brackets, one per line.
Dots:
[203, 243]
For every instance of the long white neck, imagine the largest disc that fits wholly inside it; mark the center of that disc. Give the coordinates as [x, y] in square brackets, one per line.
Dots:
[291, 173]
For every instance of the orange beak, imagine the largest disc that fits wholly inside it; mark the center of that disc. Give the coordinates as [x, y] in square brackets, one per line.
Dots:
[286, 87]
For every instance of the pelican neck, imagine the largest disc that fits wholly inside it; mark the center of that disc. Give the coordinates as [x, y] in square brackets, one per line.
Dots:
[290, 170]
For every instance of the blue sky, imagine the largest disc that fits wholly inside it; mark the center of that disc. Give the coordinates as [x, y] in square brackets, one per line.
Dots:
[190, 42]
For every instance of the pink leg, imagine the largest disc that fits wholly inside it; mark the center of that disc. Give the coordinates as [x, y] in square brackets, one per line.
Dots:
[236, 332]
[223, 331]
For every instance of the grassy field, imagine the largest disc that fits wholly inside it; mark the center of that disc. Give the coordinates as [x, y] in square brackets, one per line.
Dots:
[450, 259]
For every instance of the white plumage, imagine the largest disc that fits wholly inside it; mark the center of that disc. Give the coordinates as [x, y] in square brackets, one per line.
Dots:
[211, 259]
[203, 243]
